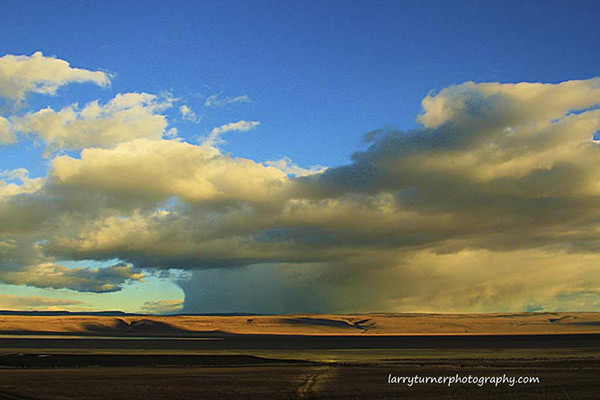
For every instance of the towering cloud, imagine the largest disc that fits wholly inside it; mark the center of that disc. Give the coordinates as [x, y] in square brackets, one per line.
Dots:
[490, 205]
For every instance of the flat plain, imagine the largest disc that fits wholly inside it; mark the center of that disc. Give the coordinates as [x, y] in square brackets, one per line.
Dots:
[297, 356]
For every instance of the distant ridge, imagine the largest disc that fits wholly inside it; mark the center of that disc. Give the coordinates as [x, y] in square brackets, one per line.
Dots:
[59, 313]
[118, 323]
[121, 314]
[231, 314]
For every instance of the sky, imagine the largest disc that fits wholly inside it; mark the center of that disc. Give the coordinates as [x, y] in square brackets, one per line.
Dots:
[285, 156]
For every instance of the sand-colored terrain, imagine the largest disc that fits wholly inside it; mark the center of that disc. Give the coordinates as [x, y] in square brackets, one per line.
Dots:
[357, 324]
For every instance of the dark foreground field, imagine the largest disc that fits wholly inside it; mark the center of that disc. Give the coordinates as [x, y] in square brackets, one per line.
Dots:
[296, 367]
[559, 380]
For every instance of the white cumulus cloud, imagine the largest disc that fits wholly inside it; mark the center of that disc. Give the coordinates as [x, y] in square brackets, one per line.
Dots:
[37, 73]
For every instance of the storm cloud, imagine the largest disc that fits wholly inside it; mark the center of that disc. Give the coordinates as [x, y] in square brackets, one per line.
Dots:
[491, 204]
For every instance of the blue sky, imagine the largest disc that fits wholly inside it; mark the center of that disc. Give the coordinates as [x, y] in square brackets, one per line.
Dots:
[318, 76]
